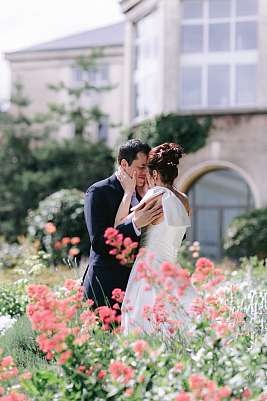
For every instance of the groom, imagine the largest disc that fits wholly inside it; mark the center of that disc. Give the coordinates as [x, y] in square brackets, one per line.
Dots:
[104, 273]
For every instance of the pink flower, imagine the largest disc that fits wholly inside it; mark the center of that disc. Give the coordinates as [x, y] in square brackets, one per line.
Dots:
[7, 361]
[111, 232]
[121, 371]
[196, 381]
[246, 393]
[75, 240]
[74, 251]
[70, 284]
[65, 240]
[224, 392]
[64, 357]
[168, 269]
[58, 245]
[139, 347]
[182, 396]
[106, 314]
[81, 339]
[118, 295]
[179, 367]
[50, 228]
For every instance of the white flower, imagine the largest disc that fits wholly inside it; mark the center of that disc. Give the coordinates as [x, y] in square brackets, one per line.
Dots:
[5, 323]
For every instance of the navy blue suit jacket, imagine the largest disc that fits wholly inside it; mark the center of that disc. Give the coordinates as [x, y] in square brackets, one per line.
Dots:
[104, 272]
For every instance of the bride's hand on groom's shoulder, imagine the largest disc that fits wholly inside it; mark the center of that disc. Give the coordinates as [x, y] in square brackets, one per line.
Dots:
[150, 212]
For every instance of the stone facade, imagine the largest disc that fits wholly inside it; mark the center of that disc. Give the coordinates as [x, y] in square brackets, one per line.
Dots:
[238, 139]
[237, 142]
[49, 64]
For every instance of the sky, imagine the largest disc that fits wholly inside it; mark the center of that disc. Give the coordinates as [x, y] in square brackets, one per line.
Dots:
[28, 22]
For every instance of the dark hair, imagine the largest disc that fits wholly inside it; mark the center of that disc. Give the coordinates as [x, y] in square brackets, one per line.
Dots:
[165, 158]
[129, 150]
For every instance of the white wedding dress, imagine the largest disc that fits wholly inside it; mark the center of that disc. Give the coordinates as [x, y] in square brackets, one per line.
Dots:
[164, 241]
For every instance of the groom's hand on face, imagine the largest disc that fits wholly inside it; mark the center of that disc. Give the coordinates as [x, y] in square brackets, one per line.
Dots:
[149, 213]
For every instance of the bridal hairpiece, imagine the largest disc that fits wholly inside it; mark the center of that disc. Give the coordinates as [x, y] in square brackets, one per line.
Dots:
[171, 164]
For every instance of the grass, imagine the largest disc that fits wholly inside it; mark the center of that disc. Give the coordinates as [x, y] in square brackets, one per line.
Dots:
[50, 276]
[20, 342]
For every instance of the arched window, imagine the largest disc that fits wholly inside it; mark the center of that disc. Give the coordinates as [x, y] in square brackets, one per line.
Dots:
[216, 198]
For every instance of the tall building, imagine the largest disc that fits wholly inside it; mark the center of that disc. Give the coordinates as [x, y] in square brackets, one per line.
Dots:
[49, 63]
[205, 57]
[191, 57]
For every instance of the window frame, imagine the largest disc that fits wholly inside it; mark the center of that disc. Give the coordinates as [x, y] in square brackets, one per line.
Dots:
[207, 58]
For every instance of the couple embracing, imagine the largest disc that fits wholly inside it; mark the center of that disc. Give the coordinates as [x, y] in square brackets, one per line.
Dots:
[141, 201]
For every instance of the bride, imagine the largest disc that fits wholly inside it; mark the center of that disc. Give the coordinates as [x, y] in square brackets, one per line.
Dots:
[160, 243]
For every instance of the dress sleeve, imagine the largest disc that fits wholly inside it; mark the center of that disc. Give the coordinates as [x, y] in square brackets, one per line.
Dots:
[151, 193]
[174, 211]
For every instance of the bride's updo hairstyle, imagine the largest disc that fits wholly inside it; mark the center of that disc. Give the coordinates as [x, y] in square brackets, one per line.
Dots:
[165, 159]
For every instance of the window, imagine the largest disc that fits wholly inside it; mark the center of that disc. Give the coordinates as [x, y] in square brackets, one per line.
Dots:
[219, 8]
[217, 198]
[218, 85]
[219, 37]
[146, 67]
[192, 9]
[98, 76]
[246, 8]
[191, 86]
[246, 35]
[192, 39]
[102, 131]
[246, 84]
[219, 53]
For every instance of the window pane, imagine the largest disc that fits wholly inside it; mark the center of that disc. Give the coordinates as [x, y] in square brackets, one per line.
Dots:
[246, 84]
[77, 74]
[103, 129]
[191, 86]
[246, 35]
[219, 8]
[192, 9]
[218, 85]
[208, 234]
[246, 7]
[219, 37]
[192, 39]
[221, 188]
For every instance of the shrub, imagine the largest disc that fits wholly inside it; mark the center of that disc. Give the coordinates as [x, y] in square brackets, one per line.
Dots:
[186, 130]
[28, 175]
[25, 257]
[64, 209]
[13, 299]
[247, 235]
[19, 341]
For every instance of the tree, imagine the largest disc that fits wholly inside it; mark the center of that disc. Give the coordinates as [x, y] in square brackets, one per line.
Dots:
[247, 235]
[33, 167]
[74, 111]
[185, 130]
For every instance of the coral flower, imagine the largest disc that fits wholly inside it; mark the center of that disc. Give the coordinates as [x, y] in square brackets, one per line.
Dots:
[75, 240]
[74, 251]
[50, 228]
